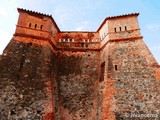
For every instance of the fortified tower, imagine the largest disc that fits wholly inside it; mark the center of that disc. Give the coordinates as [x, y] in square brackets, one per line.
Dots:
[50, 74]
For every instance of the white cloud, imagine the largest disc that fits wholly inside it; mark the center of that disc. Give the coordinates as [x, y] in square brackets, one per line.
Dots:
[8, 19]
[4, 39]
[155, 48]
[82, 26]
[91, 6]
[62, 14]
[155, 51]
[3, 12]
[153, 27]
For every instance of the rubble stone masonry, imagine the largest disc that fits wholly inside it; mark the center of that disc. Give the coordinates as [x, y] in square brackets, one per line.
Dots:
[48, 74]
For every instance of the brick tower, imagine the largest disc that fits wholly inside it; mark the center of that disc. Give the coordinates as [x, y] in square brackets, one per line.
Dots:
[49, 74]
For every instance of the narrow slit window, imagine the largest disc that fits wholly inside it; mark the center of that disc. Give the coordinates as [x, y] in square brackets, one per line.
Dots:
[120, 29]
[115, 30]
[66, 36]
[82, 44]
[41, 27]
[126, 28]
[116, 68]
[102, 71]
[35, 26]
[29, 24]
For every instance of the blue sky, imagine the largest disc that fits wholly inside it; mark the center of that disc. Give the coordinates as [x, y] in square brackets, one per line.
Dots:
[85, 15]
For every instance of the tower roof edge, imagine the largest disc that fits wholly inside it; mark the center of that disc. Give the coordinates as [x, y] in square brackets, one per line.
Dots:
[118, 16]
[38, 13]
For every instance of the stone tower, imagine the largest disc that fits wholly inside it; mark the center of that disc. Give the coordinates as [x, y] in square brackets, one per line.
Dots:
[49, 74]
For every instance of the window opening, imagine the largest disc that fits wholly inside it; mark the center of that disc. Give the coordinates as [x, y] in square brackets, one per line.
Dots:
[35, 26]
[82, 44]
[120, 28]
[126, 28]
[41, 27]
[29, 24]
[116, 68]
[102, 71]
[115, 30]
[66, 36]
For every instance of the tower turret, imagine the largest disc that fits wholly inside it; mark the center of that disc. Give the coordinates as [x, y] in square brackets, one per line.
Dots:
[119, 27]
[35, 24]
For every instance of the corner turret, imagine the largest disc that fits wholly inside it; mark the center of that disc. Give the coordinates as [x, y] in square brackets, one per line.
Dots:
[34, 24]
[121, 27]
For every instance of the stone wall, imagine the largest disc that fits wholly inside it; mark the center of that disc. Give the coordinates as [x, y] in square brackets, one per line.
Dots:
[134, 88]
[38, 82]
[78, 82]
[26, 79]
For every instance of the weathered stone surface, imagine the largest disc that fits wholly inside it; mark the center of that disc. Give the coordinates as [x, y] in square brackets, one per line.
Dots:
[23, 77]
[78, 82]
[136, 88]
